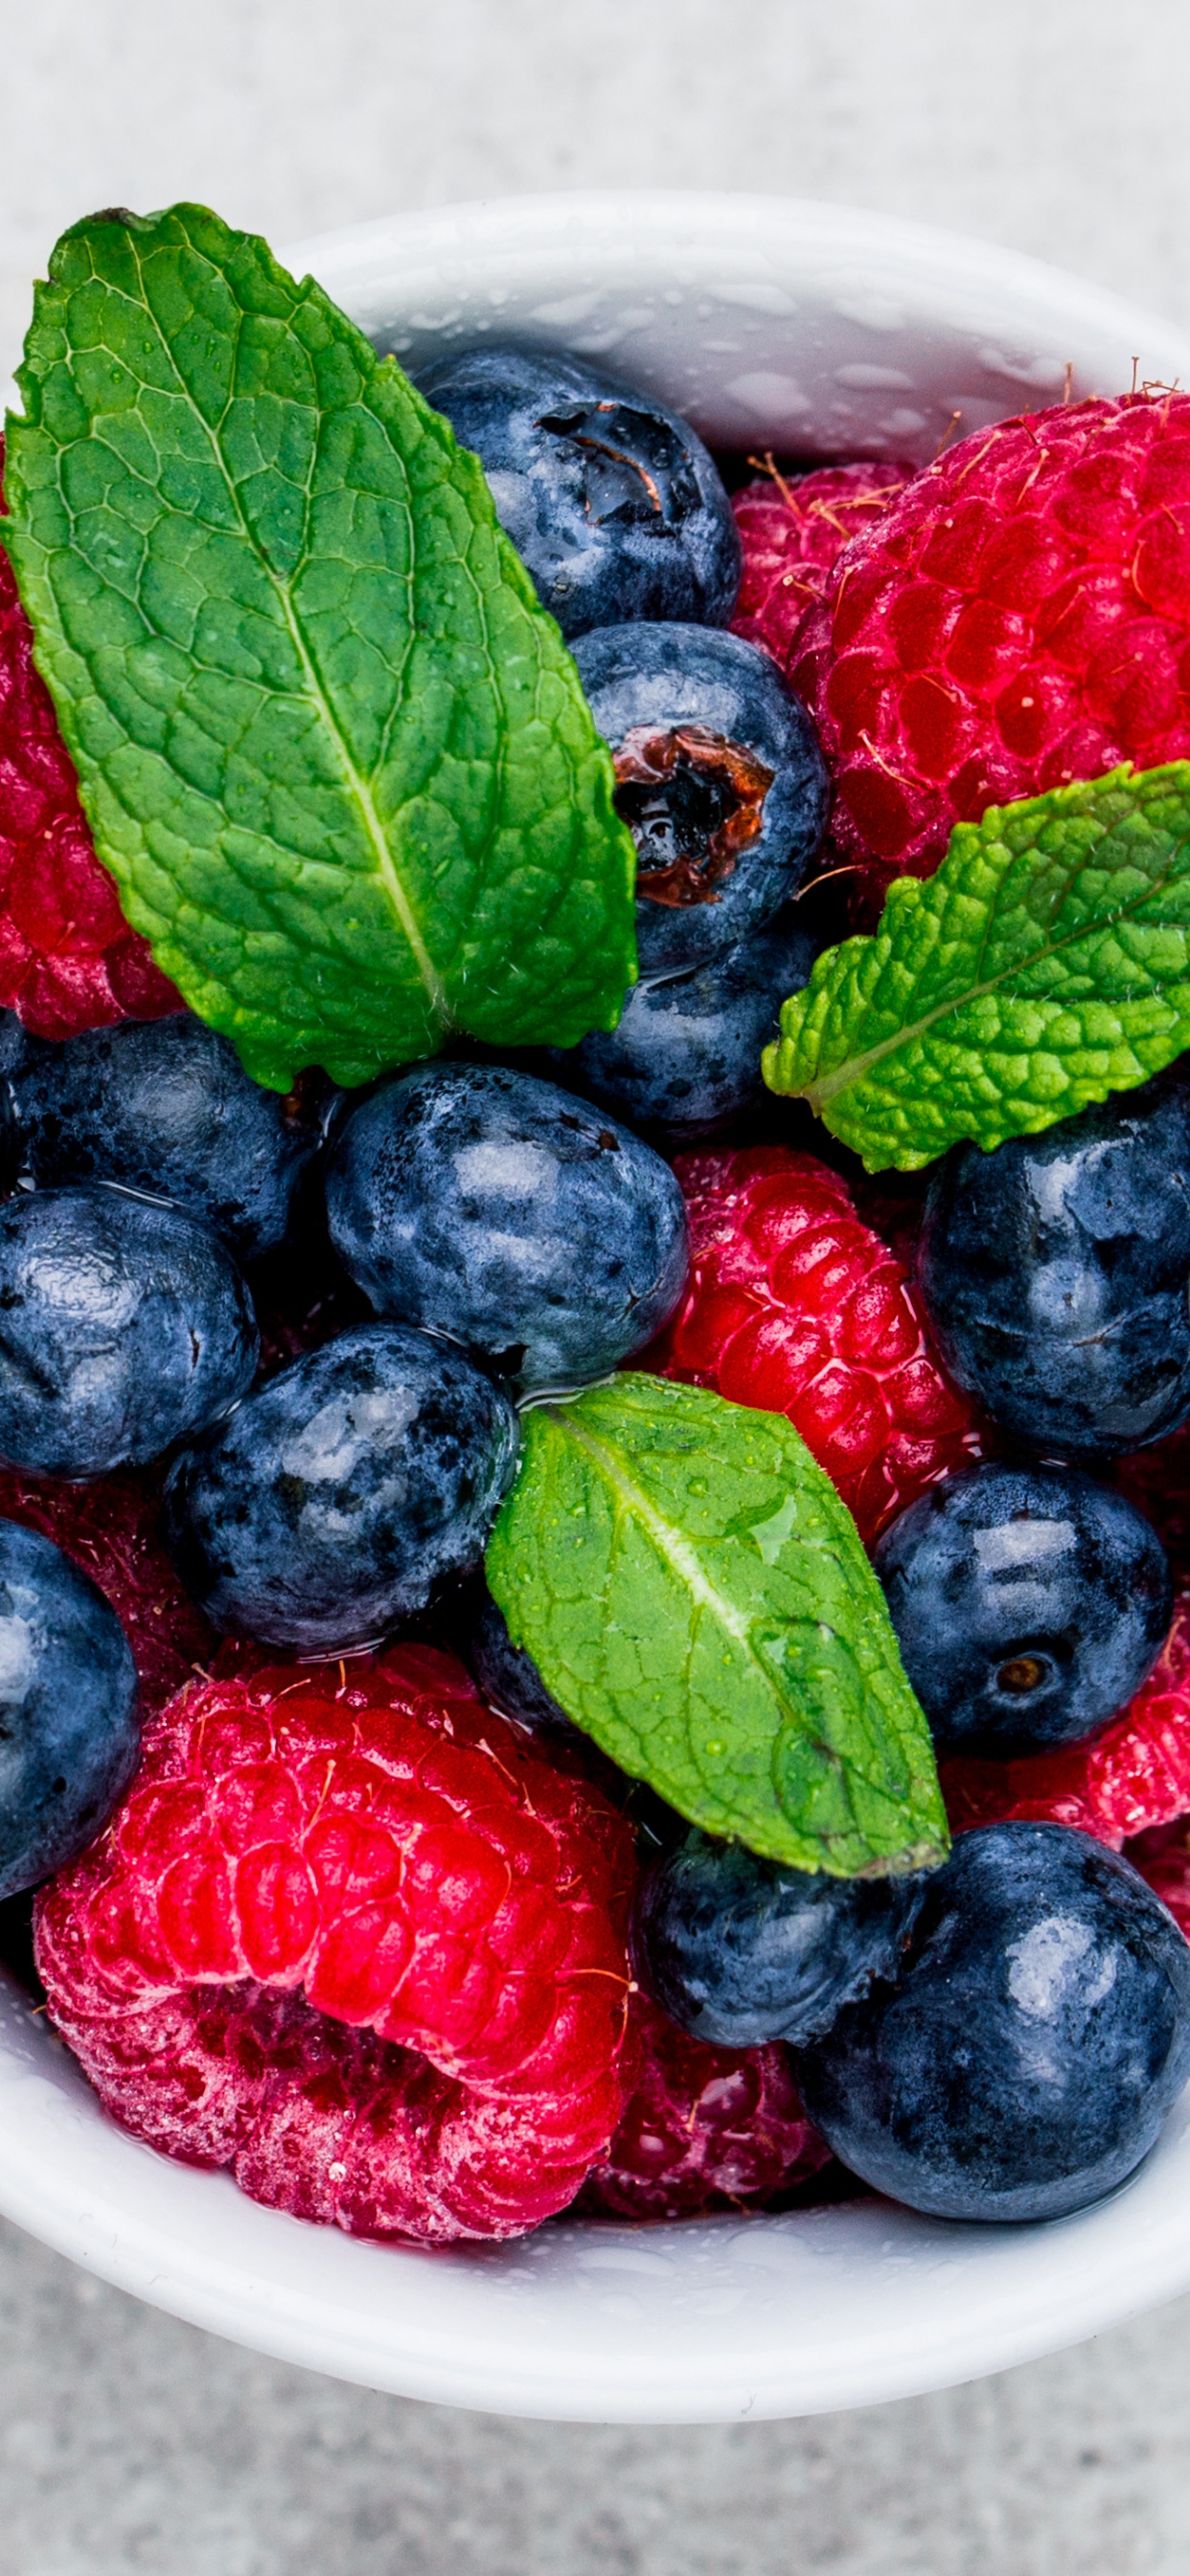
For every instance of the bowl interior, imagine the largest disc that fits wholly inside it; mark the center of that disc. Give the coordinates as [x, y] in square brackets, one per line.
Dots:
[808, 330]
[771, 322]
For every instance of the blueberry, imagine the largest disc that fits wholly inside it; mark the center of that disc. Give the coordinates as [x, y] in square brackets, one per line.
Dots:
[165, 1106]
[507, 1676]
[486, 1205]
[15, 1045]
[1056, 1272]
[739, 1951]
[719, 778]
[124, 1327]
[1036, 2036]
[69, 1736]
[685, 1059]
[336, 1498]
[1029, 1604]
[612, 502]
[15, 1042]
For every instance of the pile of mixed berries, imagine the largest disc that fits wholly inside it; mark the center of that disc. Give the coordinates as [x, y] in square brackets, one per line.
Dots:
[329, 1888]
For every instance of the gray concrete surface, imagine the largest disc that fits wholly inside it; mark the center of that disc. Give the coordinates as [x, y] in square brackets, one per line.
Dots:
[1055, 125]
[129, 2442]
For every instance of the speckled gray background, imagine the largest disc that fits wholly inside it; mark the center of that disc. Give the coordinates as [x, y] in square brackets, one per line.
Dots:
[130, 2442]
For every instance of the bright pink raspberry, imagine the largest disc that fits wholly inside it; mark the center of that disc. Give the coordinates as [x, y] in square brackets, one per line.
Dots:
[110, 1530]
[703, 2128]
[1131, 1777]
[68, 959]
[792, 534]
[356, 1938]
[795, 1306]
[1019, 616]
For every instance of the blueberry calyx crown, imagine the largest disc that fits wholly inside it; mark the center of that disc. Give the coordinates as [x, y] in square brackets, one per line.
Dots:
[692, 801]
[635, 467]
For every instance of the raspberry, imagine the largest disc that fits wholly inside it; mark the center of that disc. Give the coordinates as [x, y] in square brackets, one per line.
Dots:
[109, 1529]
[795, 1306]
[792, 535]
[1131, 1777]
[702, 2128]
[354, 1937]
[68, 960]
[1017, 617]
[1163, 1858]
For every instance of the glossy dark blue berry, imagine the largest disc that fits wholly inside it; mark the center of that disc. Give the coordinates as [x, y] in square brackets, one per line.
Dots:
[685, 1059]
[165, 1106]
[1036, 2036]
[338, 1497]
[739, 1950]
[1056, 1272]
[1029, 1604]
[69, 1734]
[507, 1676]
[612, 502]
[15, 1042]
[524, 1224]
[124, 1326]
[719, 778]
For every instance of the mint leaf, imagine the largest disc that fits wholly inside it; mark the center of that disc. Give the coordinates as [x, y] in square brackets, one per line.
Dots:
[333, 752]
[1044, 966]
[695, 1594]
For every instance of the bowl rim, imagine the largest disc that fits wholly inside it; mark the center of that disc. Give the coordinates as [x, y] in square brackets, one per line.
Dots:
[714, 2320]
[438, 276]
[719, 2319]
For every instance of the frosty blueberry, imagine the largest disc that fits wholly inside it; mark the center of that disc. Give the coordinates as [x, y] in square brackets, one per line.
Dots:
[1029, 1604]
[124, 1326]
[739, 1950]
[165, 1106]
[719, 778]
[507, 1676]
[1036, 2035]
[685, 1059]
[340, 1494]
[69, 1735]
[529, 1227]
[1055, 1270]
[611, 501]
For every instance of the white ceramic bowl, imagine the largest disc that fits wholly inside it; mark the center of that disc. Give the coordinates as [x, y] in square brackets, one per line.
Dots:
[798, 327]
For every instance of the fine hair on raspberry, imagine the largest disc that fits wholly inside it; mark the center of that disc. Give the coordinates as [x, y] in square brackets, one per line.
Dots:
[1018, 617]
[354, 1937]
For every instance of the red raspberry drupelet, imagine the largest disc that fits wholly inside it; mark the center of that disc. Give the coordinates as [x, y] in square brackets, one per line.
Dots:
[1019, 616]
[354, 1937]
[109, 1529]
[794, 1306]
[703, 2128]
[68, 959]
[1133, 1776]
[1163, 1858]
[792, 534]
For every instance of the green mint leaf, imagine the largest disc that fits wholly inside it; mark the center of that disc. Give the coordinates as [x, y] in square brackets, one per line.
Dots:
[1044, 966]
[335, 755]
[695, 1594]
